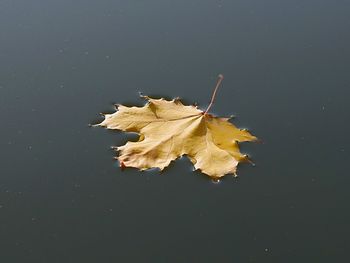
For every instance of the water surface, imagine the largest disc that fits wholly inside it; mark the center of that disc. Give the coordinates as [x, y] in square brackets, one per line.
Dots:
[286, 67]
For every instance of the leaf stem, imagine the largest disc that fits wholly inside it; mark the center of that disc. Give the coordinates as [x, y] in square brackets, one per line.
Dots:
[220, 78]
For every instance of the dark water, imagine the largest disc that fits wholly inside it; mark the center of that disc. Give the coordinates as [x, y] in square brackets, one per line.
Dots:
[286, 67]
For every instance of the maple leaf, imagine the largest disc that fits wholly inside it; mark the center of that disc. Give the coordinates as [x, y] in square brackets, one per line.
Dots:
[169, 130]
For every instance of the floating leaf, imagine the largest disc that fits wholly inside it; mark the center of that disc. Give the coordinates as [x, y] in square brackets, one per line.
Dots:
[169, 129]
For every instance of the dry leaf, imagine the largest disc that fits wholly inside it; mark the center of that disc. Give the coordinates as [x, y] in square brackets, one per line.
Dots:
[169, 129]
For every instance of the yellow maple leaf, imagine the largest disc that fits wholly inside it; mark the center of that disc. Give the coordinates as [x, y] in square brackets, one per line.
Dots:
[169, 129]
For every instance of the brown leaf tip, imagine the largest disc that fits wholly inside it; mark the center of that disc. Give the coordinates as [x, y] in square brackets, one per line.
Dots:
[122, 165]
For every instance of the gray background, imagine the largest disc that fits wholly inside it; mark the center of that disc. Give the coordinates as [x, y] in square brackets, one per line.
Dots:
[286, 67]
